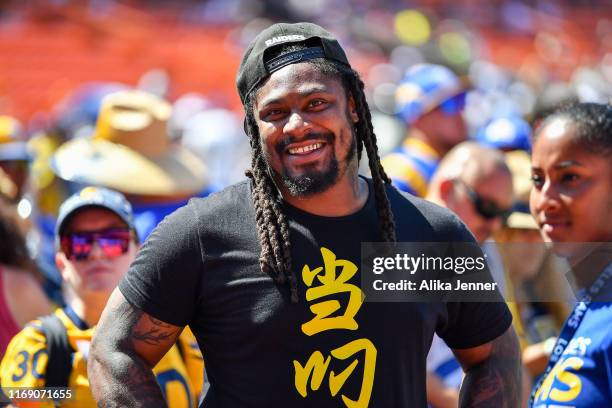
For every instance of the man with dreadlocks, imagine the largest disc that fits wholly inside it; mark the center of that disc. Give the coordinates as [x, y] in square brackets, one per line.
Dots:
[239, 267]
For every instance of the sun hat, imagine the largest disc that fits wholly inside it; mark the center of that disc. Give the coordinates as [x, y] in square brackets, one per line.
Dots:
[131, 151]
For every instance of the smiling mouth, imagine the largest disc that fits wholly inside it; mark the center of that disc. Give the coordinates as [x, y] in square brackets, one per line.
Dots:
[304, 149]
[550, 227]
[558, 222]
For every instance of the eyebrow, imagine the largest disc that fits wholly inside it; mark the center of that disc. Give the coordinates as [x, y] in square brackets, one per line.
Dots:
[561, 166]
[302, 92]
[567, 163]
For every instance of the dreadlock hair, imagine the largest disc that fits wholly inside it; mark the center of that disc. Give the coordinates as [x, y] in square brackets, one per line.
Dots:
[272, 225]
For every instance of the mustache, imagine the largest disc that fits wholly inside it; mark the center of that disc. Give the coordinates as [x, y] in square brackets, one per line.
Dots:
[282, 144]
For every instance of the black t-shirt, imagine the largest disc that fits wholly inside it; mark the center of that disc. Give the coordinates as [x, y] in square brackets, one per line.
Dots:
[200, 268]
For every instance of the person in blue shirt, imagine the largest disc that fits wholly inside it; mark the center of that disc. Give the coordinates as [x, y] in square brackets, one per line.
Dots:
[430, 100]
[571, 201]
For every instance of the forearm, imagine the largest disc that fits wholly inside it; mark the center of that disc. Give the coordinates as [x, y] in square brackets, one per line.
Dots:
[495, 382]
[120, 379]
[125, 347]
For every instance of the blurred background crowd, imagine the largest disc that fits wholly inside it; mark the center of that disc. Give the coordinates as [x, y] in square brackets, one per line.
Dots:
[438, 73]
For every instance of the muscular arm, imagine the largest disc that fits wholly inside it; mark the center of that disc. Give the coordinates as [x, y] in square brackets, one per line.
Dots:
[126, 346]
[493, 373]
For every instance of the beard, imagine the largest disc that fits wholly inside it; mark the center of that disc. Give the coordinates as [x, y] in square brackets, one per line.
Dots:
[313, 181]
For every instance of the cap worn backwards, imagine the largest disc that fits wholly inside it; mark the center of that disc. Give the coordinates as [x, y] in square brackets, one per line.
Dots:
[255, 65]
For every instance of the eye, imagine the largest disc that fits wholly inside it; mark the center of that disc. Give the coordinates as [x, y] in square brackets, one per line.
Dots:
[569, 178]
[273, 114]
[317, 103]
[537, 180]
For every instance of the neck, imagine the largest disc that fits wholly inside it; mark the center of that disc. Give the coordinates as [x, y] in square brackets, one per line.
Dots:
[345, 197]
[586, 268]
[424, 136]
[89, 307]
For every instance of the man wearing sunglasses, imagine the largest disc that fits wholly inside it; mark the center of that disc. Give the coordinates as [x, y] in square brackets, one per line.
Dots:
[475, 183]
[96, 243]
[430, 100]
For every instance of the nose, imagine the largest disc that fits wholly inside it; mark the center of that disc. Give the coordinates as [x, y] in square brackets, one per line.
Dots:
[296, 124]
[96, 252]
[544, 199]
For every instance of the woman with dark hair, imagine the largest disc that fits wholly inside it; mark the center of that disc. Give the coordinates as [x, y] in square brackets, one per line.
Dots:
[572, 203]
[21, 295]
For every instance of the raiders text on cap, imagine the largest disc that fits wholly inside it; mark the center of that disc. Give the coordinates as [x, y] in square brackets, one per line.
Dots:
[283, 38]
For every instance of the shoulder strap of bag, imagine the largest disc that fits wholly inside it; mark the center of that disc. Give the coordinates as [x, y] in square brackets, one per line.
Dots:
[59, 365]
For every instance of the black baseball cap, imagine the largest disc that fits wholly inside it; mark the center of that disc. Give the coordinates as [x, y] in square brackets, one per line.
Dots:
[255, 67]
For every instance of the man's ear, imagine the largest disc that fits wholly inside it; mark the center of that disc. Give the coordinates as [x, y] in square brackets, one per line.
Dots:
[352, 109]
[60, 262]
[446, 190]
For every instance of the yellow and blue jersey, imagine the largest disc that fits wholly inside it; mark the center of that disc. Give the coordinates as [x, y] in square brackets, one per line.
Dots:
[192, 357]
[411, 166]
[25, 363]
[582, 377]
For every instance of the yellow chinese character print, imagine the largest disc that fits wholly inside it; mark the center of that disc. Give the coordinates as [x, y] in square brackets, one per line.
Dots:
[331, 283]
[369, 367]
[317, 366]
[568, 379]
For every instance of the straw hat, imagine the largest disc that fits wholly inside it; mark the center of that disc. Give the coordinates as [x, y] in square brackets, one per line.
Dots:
[130, 150]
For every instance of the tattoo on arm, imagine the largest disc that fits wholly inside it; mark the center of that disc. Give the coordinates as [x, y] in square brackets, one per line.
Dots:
[495, 382]
[154, 335]
[118, 375]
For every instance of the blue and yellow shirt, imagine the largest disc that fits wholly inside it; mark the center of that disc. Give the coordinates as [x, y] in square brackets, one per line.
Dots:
[25, 363]
[583, 375]
[412, 166]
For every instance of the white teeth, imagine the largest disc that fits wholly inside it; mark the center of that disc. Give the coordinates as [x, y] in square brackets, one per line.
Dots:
[305, 149]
